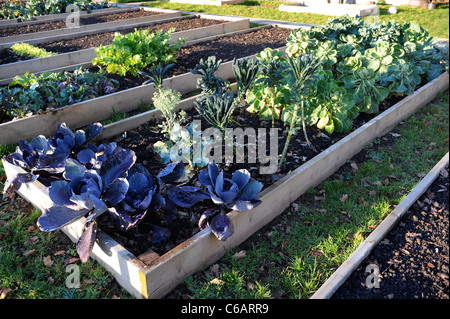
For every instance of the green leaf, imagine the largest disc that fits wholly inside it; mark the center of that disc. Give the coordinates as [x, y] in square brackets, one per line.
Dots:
[330, 127]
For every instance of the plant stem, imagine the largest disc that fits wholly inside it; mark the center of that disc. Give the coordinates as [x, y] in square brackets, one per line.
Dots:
[304, 127]
[286, 145]
[292, 125]
[273, 110]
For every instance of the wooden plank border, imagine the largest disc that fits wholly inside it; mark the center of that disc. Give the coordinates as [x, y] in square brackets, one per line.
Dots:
[71, 67]
[80, 32]
[153, 276]
[65, 33]
[61, 16]
[333, 283]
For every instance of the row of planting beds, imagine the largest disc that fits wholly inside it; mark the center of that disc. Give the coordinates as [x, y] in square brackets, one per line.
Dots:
[72, 49]
[131, 93]
[336, 84]
[51, 31]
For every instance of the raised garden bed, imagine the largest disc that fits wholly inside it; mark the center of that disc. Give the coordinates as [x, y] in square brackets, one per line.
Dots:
[410, 249]
[48, 30]
[209, 2]
[86, 40]
[59, 16]
[245, 43]
[150, 275]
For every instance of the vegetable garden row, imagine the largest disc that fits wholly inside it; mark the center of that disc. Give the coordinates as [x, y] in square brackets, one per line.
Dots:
[329, 90]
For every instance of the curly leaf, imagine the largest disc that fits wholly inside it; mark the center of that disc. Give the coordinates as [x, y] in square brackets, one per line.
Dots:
[172, 172]
[117, 165]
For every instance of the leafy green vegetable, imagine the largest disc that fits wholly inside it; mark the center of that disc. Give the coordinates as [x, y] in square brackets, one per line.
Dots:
[244, 71]
[209, 82]
[28, 50]
[156, 75]
[31, 94]
[217, 108]
[303, 70]
[270, 91]
[333, 108]
[363, 64]
[137, 51]
[166, 100]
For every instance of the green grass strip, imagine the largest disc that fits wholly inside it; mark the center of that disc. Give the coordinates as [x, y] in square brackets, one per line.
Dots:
[436, 22]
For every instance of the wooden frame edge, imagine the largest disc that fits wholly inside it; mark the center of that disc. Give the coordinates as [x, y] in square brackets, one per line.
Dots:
[333, 283]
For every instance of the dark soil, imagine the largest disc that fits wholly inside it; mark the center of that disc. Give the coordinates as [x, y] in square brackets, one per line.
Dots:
[413, 259]
[95, 40]
[55, 25]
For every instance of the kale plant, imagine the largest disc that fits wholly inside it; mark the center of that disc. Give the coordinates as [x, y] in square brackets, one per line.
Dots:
[209, 83]
[244, 71]
[217, 108]
[156, 75]
[303, 69]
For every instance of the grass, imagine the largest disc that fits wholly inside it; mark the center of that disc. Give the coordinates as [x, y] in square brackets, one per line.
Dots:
[436, 22]
[33, 269]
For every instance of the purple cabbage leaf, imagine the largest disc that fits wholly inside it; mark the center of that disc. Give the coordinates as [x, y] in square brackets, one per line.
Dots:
[237, 193]
[42, 154]
[220, 224]
[87, 191]
[143, 196]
